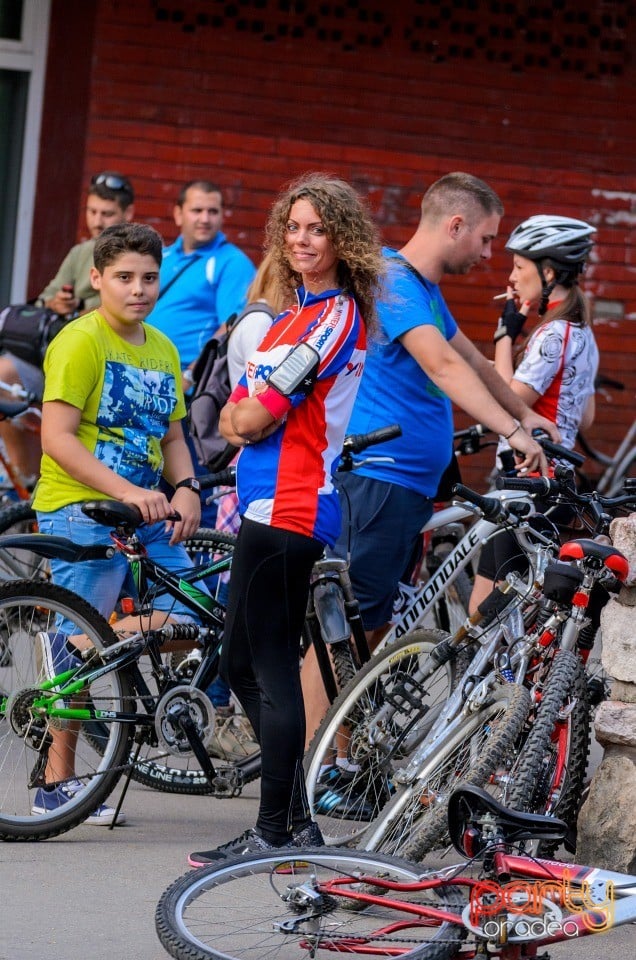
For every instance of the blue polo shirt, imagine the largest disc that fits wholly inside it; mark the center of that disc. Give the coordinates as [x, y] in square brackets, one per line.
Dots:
[210, 289]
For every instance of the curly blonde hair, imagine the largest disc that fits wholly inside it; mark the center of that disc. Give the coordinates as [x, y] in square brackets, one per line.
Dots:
[348, 225]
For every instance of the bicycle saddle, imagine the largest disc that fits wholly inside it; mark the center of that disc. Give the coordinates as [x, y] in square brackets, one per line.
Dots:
[113, 513]
[612, 558]
[467, 804]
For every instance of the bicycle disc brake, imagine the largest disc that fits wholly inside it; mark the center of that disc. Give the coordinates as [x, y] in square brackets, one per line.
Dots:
[176, 703]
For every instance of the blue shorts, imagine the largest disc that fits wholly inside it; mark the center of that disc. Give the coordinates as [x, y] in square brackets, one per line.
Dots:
[381, 524]
[101, 581]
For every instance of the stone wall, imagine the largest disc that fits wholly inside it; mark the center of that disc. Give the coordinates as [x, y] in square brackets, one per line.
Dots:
[607, 822]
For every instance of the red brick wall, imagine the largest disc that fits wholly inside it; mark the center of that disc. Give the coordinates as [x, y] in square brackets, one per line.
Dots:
[390, 97]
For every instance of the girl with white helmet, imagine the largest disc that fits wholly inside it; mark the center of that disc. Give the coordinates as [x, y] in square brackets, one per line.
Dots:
[554, 370]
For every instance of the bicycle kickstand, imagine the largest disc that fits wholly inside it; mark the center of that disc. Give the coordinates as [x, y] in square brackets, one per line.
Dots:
[122, 796]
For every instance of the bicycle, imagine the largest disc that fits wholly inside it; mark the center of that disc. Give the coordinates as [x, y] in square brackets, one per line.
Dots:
[417, 721]
[497, 902]
[101, 695]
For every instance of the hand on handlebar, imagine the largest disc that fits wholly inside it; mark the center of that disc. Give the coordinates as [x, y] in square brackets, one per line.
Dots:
[534, 459]
[533, 421]
[187, 506]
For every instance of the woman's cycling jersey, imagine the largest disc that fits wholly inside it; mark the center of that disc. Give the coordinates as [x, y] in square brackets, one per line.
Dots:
[286, 480]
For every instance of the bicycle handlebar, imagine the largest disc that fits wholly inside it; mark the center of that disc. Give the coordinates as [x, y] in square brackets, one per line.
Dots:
[222, 478]
[357, 442]
[491, 508]
[556, 451]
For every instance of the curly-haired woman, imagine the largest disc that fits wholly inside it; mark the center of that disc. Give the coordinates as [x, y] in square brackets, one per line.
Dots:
[289, 413]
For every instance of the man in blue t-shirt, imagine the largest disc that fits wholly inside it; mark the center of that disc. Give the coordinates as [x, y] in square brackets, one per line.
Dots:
[417, 365]
[204, 278]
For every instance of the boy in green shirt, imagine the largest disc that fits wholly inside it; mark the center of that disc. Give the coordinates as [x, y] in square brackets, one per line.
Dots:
[111, 428]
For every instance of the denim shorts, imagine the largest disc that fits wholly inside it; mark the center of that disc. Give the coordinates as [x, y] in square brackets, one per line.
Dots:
[100, 582]
[381, 525]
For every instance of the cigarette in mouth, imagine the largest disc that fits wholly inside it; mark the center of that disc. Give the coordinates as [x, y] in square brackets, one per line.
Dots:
[500, 296]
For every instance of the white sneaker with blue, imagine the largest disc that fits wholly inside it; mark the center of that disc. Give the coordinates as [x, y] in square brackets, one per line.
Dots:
[54, 658]
[50, 801]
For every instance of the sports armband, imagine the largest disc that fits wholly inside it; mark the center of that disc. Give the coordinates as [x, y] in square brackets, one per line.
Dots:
[297, 373]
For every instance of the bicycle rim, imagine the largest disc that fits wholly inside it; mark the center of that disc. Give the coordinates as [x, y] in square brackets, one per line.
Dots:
[344, 803]
[27, 741]
[252, 908]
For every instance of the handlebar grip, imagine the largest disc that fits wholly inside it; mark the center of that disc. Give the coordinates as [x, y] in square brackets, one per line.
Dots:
[490, 508]
[357, 442]
[557, 451]
[537, 486]
[222, 478]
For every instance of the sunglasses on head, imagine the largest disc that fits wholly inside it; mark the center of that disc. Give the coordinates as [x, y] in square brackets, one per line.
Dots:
[111, 181]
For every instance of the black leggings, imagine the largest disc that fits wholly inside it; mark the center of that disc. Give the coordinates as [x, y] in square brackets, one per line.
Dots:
[269, 587]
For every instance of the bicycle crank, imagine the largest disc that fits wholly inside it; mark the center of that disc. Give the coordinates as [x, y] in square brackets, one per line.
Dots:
[178, 711]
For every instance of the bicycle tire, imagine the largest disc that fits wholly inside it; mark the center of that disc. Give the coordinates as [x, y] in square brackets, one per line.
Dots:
[414, 822]
[18, 564]
[234, 911]
[27, 607]
[363, 793]
[183, 775]
[555, 750]
[344, 665]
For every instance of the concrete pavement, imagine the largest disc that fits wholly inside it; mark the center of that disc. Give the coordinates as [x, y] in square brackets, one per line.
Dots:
[92, 892]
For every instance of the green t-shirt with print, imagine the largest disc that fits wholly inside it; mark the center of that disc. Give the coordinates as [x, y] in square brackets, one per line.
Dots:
[128, 396]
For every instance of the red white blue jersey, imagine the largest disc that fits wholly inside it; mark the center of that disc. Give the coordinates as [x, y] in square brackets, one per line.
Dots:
[286, 480]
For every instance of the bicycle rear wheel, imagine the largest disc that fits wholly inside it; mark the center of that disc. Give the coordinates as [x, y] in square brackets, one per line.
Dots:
[182, 773]
[31, 745]
[17, 564]
[281, 908]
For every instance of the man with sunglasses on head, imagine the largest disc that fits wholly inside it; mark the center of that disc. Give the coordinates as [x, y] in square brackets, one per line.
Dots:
[110, 201]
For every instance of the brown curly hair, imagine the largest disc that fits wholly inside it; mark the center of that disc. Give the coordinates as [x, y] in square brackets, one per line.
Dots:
[348, 225]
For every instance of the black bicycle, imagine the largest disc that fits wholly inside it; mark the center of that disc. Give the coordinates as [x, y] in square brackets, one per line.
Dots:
[126, 706]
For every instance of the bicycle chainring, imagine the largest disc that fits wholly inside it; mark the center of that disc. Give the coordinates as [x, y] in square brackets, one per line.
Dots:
[183, 702]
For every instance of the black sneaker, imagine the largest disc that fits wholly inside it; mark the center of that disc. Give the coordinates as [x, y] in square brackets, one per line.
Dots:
[309, 836]
[249, 842]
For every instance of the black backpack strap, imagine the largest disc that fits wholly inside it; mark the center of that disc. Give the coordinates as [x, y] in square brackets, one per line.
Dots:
[178, 274]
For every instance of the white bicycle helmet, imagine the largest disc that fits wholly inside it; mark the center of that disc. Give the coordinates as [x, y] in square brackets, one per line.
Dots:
[563, 239]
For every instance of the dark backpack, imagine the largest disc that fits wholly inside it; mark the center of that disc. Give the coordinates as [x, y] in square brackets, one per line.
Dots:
[27, 329]
[211, 392]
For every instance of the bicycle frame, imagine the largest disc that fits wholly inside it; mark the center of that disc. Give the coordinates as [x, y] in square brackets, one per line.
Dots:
[421, 602]
[522, 890]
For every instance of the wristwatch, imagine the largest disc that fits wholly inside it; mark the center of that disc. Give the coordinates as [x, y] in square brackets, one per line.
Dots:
[191, 483]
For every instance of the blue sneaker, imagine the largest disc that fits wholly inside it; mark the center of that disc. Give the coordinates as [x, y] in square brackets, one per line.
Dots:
[349, 795]
[54, 657]
[49, 801]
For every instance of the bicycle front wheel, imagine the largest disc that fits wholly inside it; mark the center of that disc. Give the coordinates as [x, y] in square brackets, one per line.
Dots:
[374, 723]
[415, 821]
[274, 907]
[52, 776]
